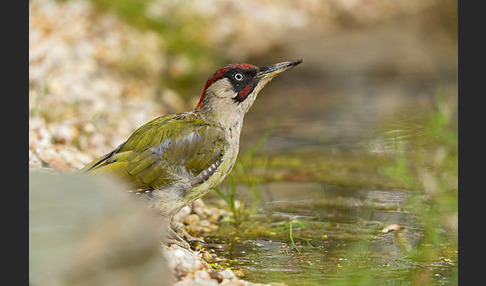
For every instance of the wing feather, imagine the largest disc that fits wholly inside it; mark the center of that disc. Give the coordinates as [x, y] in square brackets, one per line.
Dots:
[164, 151]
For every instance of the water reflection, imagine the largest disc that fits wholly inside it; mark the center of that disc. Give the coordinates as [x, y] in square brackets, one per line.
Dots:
[331, 219]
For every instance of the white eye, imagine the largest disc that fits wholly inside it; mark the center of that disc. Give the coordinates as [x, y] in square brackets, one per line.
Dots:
[238, 76]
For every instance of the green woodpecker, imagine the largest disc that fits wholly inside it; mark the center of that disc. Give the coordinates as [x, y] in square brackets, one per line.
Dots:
[173, 160]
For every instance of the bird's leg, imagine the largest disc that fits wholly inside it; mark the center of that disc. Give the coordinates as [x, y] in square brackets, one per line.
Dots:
[174, 238]
[179, 236]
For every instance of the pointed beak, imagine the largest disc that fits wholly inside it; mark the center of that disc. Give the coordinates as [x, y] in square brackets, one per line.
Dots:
[273, 70]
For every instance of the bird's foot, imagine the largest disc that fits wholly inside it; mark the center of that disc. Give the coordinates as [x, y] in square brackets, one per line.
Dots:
[180, 237]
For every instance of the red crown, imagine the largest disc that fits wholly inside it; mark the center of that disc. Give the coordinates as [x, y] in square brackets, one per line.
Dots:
[218, 75]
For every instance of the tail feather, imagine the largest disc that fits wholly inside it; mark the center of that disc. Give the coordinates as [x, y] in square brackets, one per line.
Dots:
[99, 162]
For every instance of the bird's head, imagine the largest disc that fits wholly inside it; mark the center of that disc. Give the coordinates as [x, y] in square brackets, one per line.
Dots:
[230, 92]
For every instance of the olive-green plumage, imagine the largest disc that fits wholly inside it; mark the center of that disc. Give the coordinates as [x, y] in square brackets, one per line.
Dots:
[163, 150]
[175, 159]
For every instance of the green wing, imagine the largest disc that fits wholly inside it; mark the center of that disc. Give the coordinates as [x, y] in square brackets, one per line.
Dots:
[164, 151]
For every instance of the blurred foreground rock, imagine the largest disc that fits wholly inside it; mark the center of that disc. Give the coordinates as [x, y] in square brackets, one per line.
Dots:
[87, 231]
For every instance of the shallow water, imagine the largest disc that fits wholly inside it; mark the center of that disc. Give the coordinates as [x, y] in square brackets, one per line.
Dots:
[328, 221]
